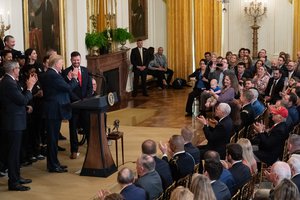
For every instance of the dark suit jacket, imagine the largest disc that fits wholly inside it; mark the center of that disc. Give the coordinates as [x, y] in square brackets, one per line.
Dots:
[135, 58]
[247, 115]
[241, 174]
[86, 88]
[221, 190]
[132, 192]
[181, 165]
[151, 183]
[196, 75]
[227, 178]
[271, 144]
[296, 180]
[194, 151]
[13, 104]
[56, 95]
[278, 88]
[218, 137]
[163, 169]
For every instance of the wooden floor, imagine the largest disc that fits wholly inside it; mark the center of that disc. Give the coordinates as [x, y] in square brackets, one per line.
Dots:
[169, 117]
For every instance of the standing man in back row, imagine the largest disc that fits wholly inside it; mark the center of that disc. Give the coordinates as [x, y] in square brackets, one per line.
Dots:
[139, 60]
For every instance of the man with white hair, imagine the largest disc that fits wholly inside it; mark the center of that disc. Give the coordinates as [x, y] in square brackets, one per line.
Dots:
[279, 171]
[257, 106]
[219, 136]
[294, 163]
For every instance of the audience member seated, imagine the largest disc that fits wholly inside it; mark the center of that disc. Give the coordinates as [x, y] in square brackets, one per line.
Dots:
[161, 59]
[248, 156]
[241, 72]
[286, 190]
[293, 145]
[271, 142]
[279, 171]
[274, 87]
[129, 191]
[219, 136]
[201, 77]
[213, 169]
[258, 107]
[291, 67]
[294, 163]
[240, 172]
[161, 166]
[201, 188]
[247, 112]
[261, 79]
[226, 176]
[148, 178]
[214, 87]
[156, 70]
[181, 162]
[291, 87]
[290, 101]
[188, 135]
[181, 193]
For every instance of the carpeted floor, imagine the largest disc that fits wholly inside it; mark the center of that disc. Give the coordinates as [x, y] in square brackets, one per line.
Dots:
[72, 186]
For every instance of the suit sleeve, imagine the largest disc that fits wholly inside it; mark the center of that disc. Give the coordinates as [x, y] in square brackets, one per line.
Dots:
[16, 96]
[213, 134]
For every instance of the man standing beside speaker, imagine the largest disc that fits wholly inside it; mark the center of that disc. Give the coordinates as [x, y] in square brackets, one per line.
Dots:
[83, 90]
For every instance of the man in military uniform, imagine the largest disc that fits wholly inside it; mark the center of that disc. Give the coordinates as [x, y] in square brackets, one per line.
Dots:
[181, 163]
[247, 112]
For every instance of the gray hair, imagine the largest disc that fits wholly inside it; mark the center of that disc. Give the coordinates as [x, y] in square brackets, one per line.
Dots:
[225, 108]
[255, 93]
[147, 162]
[294, 162]
[282, 169]
[10, 65]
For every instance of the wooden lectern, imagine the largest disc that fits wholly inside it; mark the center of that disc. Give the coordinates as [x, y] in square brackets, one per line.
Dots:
[98, 159]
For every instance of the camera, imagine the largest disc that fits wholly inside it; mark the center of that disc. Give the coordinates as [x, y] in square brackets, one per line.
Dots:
[219, 64]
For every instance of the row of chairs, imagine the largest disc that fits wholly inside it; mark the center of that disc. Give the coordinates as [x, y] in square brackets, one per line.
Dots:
[185, 182]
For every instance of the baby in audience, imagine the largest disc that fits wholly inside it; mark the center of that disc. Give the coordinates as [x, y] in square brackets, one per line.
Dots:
[214, 87]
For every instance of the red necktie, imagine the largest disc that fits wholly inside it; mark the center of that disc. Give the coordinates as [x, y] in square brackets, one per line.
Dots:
[79, 77]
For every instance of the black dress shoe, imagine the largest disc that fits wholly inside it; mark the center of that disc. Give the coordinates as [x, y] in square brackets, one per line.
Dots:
[24, 181]
[63, 166]
[58, 170]
[60, 148]
[18, 187]
[26, 163]
[145, 94]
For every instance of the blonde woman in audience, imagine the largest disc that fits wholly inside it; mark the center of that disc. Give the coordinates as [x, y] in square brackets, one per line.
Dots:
[261, 78]
[201, 188]
[181, 193]
[248, 156]
[286, 190]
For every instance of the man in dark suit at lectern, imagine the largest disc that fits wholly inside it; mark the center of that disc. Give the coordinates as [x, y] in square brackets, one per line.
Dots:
[56, 107]
[83, 90]
[139, 59]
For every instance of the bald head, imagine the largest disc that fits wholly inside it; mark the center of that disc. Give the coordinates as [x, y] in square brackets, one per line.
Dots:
[149, 147]
[125, 176]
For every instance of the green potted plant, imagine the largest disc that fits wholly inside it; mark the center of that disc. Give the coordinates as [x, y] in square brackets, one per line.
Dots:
[94, 41]
[121, 35]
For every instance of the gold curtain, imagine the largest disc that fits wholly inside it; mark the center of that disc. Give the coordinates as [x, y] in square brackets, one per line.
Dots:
[179, 29]
[101, 17]
[208, 27]
[296, 40]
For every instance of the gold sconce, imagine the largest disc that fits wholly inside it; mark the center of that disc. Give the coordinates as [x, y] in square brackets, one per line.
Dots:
[4, 27]
[255, 9]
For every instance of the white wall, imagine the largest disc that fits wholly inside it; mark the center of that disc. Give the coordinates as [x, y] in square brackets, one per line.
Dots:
[275, 33]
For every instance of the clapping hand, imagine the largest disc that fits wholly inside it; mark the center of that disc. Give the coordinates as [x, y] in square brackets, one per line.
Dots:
[202, 119]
